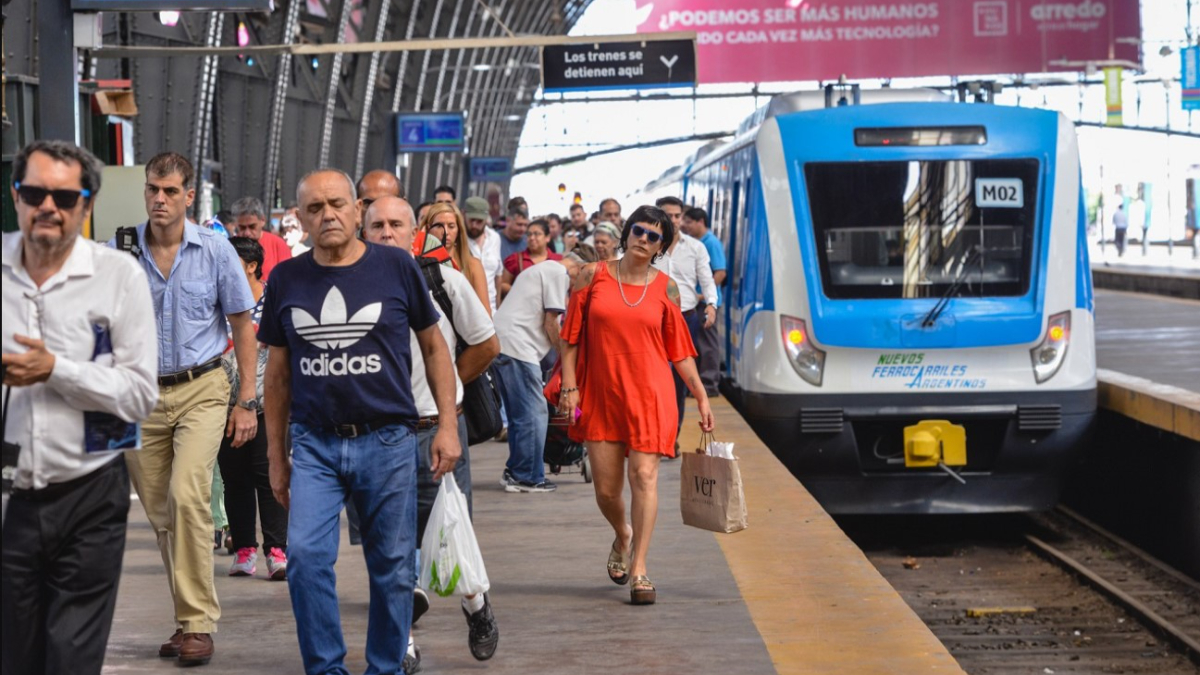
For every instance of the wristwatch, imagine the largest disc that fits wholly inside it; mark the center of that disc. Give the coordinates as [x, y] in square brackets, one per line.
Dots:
[250, 404]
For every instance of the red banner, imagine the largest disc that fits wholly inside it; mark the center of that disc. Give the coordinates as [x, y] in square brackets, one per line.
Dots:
[782, 40]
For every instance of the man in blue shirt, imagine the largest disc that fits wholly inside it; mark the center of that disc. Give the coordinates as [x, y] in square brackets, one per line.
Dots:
[337, 320]
[196, 283]
[512, 237]
[695, 223]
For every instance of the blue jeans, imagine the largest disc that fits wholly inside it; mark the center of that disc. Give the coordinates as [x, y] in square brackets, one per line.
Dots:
[378, 471]
[528, 417]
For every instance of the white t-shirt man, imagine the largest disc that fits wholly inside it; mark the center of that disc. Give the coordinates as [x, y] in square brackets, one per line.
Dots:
[520, 320]
[473, 324]
[489, 255]
[688, 265]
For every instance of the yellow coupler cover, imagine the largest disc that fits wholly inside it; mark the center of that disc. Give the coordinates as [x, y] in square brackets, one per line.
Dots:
[929, 442]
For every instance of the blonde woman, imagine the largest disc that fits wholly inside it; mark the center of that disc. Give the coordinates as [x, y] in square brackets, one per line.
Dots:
[450, 220]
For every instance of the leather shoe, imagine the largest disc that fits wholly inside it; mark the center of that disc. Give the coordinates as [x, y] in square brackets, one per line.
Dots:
[170, 648]
[196, 650]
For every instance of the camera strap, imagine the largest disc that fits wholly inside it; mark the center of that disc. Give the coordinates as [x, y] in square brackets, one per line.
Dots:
[12, 451]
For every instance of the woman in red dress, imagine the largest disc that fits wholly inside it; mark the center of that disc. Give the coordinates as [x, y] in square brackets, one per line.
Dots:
[623, 331]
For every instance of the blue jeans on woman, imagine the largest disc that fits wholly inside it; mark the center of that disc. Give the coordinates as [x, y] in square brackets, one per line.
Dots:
[528, 416]
[378, 471]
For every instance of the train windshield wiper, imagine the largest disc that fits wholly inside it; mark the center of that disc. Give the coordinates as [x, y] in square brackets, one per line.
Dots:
[944, 301]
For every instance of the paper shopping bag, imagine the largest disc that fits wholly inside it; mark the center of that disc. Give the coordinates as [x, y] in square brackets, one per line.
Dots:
[710, 493]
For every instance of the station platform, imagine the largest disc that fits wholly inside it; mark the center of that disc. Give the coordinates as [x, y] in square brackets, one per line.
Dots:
[791, 594]
[1159, 270]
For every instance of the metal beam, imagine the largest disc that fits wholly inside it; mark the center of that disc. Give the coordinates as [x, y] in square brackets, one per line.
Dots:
[368, 93]
[433, 44]
[331, 93]
[58, 90]
[202, 129]
[283, 76]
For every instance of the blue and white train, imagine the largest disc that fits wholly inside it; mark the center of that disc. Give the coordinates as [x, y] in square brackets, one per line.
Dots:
[904, 273]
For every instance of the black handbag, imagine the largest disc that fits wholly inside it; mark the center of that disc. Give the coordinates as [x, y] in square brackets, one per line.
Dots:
[481, 396]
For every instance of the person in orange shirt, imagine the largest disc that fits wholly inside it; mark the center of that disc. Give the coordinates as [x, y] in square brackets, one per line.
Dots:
[627, 403]
[250, 219]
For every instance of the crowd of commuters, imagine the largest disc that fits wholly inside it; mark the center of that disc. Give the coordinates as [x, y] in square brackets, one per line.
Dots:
[283, 376]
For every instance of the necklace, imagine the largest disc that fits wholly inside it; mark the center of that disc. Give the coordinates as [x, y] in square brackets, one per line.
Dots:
[621, 286]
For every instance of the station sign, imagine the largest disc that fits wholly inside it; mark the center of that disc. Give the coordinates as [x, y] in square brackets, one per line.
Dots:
[171, 5]
[619, 65]
[777, 41]
[489, 169]
[1190, 77]
[430, 132]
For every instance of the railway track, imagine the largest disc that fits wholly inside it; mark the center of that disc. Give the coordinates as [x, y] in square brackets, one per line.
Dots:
[1047, 594]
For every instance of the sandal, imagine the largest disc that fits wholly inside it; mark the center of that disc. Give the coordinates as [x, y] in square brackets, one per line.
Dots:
[618, 562]
[642, 591]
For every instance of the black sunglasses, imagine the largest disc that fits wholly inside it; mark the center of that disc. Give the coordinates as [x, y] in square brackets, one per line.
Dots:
[63, 199]
[650, 235]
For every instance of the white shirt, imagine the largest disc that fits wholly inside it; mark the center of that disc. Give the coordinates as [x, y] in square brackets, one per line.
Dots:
[519, 321]
[97, 287]
[473, 324]
[489, 255]
[688, 265]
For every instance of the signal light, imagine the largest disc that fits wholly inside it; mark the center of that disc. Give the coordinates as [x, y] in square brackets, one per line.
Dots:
[795, 336]
[1048, 356]
[578, 198]
[562, 188]
[243, 34]
[1057, 333]
[806, 359]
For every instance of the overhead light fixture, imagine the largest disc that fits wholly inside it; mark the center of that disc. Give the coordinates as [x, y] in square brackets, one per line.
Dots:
[512, 118]
[243, 34]
[169, 18]
[481, 66]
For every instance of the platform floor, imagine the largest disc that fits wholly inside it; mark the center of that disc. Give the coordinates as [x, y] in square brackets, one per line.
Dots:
[790, 595]
[1149, 336]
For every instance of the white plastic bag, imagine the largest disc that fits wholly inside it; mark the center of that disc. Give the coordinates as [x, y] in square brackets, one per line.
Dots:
[450, 559]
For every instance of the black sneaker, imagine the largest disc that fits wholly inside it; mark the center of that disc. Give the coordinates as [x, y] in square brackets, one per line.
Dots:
[483, 635]
[526, 486]
[509, 483]
[420, 604]
[412, 662]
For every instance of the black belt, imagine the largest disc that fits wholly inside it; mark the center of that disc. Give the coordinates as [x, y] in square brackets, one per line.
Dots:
[189, 375]
[689, 312]
[363, 428]
[425, 423]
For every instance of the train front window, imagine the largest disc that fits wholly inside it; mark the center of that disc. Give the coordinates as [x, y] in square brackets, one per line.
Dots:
[910, 229]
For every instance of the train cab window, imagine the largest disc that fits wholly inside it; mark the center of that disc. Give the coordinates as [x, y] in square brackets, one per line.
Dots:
[912, 229]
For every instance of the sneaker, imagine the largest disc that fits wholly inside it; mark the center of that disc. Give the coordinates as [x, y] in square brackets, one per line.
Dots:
[412, 659]
[544, 486]
[502, 436]
[482, 632]
[243, 564]
[509, 483]
[276, 564]
[420, 604]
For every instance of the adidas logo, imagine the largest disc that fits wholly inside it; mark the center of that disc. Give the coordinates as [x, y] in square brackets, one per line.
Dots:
[335, 331]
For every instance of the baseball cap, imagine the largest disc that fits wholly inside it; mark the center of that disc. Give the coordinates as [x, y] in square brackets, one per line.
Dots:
[476, 208]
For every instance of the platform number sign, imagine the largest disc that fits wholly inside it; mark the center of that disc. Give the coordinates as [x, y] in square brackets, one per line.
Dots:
[430, 132]
[999, 193]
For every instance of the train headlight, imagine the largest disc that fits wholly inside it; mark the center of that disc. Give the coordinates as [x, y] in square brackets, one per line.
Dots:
[1048, 356]
[808, 361]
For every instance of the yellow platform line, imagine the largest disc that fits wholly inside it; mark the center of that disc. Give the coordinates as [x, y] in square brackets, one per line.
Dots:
[1159, 405]
[819, 604]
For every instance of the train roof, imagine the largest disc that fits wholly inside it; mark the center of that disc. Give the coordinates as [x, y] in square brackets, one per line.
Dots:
[800, 101]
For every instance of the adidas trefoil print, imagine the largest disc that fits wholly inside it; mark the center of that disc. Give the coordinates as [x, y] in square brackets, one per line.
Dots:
[334, 332]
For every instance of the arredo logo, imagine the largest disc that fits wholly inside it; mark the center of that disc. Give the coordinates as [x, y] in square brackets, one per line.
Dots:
[1067, 11]
[335, 331]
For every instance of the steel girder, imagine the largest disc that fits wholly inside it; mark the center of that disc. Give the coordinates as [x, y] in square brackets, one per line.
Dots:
[276, 118]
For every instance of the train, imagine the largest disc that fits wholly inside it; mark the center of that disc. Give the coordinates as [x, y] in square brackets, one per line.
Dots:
[908, 317]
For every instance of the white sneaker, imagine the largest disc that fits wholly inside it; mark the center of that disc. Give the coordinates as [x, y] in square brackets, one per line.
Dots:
[276, 564]
[243, 562]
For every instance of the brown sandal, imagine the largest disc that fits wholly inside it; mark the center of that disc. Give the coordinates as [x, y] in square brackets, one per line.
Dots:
[618, 562]
[642, 591]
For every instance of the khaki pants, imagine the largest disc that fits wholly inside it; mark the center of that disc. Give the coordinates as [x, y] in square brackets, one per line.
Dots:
[172, 474]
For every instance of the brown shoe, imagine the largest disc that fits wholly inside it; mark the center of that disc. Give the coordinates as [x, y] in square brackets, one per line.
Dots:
[170, 648]
[196, 650]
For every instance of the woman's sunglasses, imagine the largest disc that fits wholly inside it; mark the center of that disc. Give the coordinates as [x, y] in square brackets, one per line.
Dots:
[63, 199]
[650, 235]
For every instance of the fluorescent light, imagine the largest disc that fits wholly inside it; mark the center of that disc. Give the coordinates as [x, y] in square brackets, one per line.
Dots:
[168, 18]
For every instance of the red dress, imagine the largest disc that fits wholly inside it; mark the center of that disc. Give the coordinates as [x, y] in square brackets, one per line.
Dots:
[626, 390]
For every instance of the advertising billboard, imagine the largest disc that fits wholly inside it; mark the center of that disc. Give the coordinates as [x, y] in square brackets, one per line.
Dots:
[784, 40]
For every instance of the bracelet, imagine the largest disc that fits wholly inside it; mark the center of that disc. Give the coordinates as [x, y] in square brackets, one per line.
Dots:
[567, 390]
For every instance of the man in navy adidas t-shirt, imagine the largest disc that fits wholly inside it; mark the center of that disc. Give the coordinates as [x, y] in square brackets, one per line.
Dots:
[337, 321]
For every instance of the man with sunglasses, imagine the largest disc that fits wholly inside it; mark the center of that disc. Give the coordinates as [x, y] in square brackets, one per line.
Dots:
[197, 283]
[687, 262]
[79, 365]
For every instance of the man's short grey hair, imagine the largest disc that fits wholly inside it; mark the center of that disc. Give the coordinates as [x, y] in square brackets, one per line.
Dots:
[404, 205]
[249, 206]
[328, 169]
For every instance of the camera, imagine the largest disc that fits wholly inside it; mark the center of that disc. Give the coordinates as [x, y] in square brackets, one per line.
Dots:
[127, 240]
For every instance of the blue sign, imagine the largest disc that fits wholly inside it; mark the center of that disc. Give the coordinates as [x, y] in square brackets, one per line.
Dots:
[1191, 77]
[485, 169]
[430, 132]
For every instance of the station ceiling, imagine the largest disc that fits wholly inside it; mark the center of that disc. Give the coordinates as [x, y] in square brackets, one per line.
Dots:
[259, 123]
